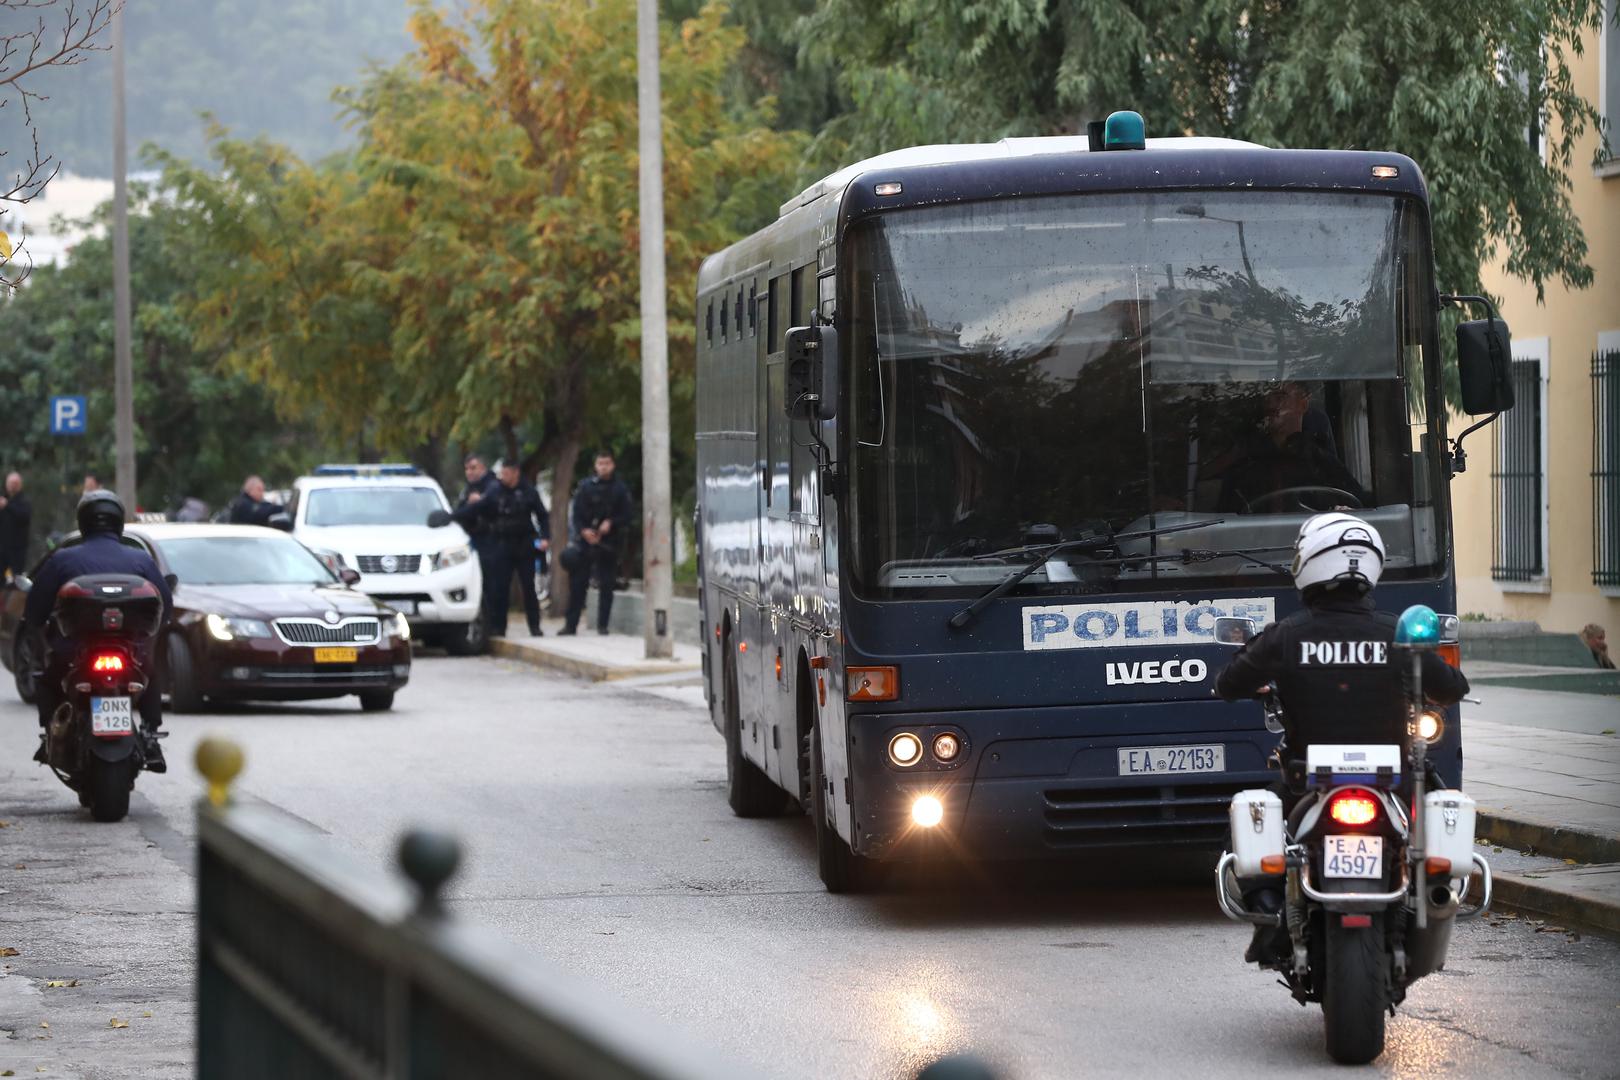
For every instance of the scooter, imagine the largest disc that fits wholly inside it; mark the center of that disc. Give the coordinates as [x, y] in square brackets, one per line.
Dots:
[91, 742]
[1372, 885]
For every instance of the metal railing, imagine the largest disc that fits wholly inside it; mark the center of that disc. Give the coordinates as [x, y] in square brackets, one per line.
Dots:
[1517, 482]
[312, 967]
[1606, 469]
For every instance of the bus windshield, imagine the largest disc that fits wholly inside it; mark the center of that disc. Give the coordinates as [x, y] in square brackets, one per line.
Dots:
[1031, 371]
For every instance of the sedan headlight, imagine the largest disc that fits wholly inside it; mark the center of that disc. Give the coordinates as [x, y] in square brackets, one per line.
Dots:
[401, 628]
[449, 557]
[229, 628]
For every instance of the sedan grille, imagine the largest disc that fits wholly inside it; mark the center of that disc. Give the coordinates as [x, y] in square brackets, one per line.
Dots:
[389, 564]
[362, 630]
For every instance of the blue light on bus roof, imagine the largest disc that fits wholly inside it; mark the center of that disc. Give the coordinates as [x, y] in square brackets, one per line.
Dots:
[395, 469]
[1124, 130]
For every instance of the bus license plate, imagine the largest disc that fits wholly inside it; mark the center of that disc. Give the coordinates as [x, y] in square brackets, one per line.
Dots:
[336, 656]
[1353, 857]
[112, 716]
[1161, 760]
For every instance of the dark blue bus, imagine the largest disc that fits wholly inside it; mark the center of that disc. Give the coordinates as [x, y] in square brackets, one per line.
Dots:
[1123, 377]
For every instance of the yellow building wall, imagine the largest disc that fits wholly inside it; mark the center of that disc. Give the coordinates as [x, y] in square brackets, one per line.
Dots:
[1571, 320]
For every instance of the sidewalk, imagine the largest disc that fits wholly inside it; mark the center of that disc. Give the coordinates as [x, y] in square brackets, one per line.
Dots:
[590, 655]
[1547, 781]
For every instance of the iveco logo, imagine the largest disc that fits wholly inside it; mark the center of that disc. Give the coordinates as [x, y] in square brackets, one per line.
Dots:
[1156, 671]
[331, 616]
[390, 563]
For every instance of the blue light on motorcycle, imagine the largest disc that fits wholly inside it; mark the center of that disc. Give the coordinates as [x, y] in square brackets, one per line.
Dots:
[1418, 626]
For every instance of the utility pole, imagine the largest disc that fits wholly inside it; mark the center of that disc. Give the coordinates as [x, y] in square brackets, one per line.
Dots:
[123, 364]
[657, 549]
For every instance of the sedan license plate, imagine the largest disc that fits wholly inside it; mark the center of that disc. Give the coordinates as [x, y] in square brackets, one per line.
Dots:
[1353, 857]
[112, 716]
[404, 607]
[336, 656]
[1160, 760]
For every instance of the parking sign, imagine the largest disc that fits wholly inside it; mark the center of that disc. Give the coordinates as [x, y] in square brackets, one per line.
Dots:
[68, 414]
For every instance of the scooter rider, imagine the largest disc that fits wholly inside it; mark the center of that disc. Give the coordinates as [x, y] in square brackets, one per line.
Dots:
[100, 551]
[1333, 661]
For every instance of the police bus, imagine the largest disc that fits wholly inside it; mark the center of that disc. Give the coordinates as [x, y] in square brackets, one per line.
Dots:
[988, 437]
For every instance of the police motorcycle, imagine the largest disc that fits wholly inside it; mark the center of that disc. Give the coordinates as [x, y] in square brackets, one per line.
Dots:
[1371, 890]
[92, 742]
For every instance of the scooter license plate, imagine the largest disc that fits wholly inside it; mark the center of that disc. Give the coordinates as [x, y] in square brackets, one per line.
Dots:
[112, 716]
[1353, 857]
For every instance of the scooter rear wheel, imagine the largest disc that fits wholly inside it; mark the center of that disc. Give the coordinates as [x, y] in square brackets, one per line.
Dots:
[108, 784]
[1355, 991]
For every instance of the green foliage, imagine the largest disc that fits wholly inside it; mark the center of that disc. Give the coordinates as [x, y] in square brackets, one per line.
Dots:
[262, 66]
[198, 430]
[1419, 78]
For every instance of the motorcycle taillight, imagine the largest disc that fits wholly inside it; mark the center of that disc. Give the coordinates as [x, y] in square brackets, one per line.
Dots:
[105, 663]
[1353, 807]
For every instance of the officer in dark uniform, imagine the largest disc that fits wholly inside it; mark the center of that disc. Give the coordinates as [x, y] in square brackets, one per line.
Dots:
[599, 517]
[249, 507]
[511, 516]
[100, 551]
[481, 484]
[1333, 662]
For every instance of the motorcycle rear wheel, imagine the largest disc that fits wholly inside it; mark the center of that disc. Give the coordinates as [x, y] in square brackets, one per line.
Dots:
[108, 784]
[1355, 991]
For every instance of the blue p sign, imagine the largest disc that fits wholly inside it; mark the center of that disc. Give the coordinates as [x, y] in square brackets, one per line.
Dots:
[67, 414]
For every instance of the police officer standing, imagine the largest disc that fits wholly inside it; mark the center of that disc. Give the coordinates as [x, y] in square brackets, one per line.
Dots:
[100, 551]
[16, 518]
[1334, 665]
[249, 507]
[599, 517]
[481, 484]
[511, 516]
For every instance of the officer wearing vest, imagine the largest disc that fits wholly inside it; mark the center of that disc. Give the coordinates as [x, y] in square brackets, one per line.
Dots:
[510, 517]
[100, 551]
[599, 517]
[1333, 662]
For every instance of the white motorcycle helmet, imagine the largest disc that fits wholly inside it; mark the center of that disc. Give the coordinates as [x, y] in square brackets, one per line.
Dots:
[1337, 550]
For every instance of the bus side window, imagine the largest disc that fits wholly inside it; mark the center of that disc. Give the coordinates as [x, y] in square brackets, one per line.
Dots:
[796, 312]
[778, 428]
[773, 324]
[709, 325]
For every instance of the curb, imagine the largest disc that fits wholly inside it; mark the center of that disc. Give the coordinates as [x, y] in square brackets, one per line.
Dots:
[1547, 838]
[1534, 896]
[594, 670]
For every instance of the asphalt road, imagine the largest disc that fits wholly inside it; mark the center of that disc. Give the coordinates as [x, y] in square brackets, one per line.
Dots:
[599, 837]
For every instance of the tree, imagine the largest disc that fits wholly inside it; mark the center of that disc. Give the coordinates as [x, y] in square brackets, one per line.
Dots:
[199, 430]
[1437, 83]
[473, 264]
[38, 35]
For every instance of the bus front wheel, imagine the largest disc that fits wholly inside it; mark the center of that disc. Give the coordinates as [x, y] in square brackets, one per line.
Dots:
[842, 871]
[748, 790]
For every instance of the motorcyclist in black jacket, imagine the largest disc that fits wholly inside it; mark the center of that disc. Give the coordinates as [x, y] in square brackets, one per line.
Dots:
[510, 516]
[1333, 661]
[99, 551]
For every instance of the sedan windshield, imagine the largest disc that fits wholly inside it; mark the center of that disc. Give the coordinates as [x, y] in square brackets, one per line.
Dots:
[371, 506]
[243, 560]
[1030, 371]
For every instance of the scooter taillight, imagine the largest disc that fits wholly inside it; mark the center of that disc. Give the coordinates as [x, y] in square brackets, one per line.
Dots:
[1353, 807]
[106, 663]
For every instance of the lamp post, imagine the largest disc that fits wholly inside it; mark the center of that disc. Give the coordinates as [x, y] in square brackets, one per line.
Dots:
[124, 480]
[657, 549]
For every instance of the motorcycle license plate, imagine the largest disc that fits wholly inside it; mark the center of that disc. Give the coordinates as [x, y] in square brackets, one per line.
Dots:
[1159, 760]
[112, 716]
[336, 656]
[1353, 857]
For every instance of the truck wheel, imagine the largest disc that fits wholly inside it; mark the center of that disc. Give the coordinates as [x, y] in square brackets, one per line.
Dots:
[1355, 992]
[376, 700]
[465, 639]
[22, 671]
[108, 785]
[184, 694]
[841, 870]
[748, 790]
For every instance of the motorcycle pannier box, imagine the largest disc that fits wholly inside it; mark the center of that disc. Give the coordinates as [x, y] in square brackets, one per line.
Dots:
[1257, 829]
[1448, 828]
[96, 604]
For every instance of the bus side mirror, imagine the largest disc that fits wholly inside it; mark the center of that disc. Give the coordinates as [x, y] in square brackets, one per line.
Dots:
[1485, 366]
[811, 379]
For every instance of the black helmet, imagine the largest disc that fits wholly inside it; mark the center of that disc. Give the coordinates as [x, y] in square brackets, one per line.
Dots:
[101, 511]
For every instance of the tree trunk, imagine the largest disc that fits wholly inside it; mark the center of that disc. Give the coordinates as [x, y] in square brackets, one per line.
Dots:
[562, 490]
[509, 439]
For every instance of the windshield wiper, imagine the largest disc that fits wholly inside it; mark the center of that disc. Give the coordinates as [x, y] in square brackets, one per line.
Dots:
[1188, 556]
[1046, 551]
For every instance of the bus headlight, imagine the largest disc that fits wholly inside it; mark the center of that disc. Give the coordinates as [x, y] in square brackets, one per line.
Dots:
[905, 749]
[1430, 726]
[927, 811]
[946, 747]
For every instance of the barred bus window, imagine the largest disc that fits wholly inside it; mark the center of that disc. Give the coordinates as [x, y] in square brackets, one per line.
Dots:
[708, 325]
[739, 312]
[773, 317]
[753, 309]
[723, 307]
